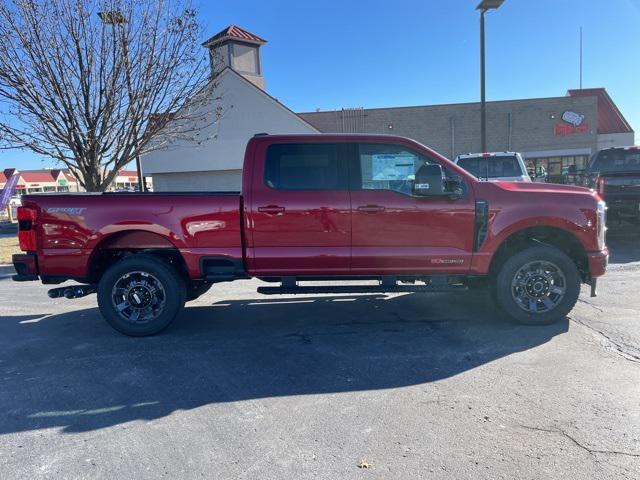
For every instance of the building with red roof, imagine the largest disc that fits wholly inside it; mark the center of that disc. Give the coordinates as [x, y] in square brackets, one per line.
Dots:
[59, 180]
[613, 129]
[236, 48]
[43, 181]
[552, 133]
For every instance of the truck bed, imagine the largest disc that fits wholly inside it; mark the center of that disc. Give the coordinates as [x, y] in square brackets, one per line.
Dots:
[71, 226]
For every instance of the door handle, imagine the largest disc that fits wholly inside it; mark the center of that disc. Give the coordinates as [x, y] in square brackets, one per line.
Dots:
[271, 209]
[371, 208]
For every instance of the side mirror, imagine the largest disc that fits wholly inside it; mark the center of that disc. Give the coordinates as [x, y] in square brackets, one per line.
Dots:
[429, 181]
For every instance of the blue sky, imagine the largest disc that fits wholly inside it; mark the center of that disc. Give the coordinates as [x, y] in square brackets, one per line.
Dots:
[354, 53]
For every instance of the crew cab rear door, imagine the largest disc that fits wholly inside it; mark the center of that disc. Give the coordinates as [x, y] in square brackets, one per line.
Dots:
[396, 232]
[299, 212]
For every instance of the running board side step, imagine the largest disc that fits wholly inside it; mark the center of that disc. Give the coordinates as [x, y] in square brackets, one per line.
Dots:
[387, 285]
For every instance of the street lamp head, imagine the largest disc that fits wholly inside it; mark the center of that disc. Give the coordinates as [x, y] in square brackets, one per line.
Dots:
[489, 4]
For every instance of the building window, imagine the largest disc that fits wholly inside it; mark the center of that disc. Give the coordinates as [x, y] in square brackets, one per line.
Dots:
[557, 169]
[245, 58]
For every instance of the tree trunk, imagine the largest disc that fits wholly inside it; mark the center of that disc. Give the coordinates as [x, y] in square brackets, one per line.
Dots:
[93, 182]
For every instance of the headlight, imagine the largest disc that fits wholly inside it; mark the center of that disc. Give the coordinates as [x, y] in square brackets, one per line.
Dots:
[602, 223]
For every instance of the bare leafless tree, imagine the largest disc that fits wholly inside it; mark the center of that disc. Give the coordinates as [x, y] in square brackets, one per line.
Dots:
[87, 82]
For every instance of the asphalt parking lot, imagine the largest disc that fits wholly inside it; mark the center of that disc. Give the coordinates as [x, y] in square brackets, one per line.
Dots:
[366, 386]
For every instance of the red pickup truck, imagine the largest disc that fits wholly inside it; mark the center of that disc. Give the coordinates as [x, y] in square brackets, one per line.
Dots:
[320, 207]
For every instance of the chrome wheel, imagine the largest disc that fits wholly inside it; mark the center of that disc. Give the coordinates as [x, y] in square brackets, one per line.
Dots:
[138, 297]
[538, 287]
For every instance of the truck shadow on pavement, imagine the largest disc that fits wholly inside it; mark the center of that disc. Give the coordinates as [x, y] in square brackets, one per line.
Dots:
[71, 371]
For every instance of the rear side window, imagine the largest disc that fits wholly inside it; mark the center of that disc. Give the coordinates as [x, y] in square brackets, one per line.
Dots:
[305, 166]
[617, 161]
[493, 167]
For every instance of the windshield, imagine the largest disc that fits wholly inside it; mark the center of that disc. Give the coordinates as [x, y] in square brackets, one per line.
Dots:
[498, 166]
[617, 161]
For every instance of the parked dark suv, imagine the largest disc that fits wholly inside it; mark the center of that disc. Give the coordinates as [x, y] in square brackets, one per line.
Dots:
[615, 174]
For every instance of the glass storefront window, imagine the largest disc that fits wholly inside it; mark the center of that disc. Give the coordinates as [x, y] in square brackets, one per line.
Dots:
[557, 168]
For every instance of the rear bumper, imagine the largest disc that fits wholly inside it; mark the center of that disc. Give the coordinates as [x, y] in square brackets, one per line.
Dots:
[598, 262]
[26, 265]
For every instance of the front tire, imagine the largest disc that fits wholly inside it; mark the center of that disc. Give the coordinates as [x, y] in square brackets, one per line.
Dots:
[538, 286]
[141, 295]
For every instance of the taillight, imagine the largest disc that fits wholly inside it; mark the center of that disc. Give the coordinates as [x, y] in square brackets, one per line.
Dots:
[26, 229]
[600, 184]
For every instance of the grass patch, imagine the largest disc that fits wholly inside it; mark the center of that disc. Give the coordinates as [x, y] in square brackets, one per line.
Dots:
[8, 246]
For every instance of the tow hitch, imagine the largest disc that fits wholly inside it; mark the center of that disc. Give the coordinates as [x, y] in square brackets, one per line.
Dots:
[76, 291]
[594, 285]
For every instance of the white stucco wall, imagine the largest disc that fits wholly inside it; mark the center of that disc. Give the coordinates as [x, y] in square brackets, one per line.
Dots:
[607, 140]
[220, 181]
[248, 111]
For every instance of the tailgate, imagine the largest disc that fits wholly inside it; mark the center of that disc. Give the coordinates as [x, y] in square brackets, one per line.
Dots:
[621, 186]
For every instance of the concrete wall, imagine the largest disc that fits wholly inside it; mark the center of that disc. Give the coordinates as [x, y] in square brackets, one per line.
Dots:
[455, 129]
[247, 111]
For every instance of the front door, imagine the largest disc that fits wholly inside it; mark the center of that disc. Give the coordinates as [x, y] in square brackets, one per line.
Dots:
[395, 232]
[300, 211]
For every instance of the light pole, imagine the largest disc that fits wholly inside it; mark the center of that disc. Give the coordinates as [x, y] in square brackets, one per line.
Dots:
[113, 18]
[483, 6]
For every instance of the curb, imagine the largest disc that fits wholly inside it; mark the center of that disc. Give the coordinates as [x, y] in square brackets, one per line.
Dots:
[9, 228]
[7, 269]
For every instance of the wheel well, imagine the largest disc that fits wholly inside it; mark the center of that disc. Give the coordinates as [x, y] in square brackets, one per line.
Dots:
[554, 237]
[124, 244]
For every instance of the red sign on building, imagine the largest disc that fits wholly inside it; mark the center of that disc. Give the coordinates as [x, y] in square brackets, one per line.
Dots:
[564, 129]
[572, 122]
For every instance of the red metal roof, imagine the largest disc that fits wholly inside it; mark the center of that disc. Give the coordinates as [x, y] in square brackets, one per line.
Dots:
[610, 119]
[35, 176]
[235, 32]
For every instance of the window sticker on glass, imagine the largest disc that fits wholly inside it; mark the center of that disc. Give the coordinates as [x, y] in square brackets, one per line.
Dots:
[392, 167]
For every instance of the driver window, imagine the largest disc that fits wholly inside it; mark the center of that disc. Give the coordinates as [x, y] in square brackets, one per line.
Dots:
[389, 167]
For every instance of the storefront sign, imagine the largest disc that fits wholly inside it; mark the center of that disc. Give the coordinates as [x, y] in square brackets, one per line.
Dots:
[572, 122]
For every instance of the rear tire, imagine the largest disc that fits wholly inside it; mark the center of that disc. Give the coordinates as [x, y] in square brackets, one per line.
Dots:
[538, 286]
[141, 295]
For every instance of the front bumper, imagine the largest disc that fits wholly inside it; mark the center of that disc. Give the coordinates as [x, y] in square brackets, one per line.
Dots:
[598, 262]
[26, 265]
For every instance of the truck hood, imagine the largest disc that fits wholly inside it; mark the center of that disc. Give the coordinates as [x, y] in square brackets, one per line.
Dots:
[542, 188]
